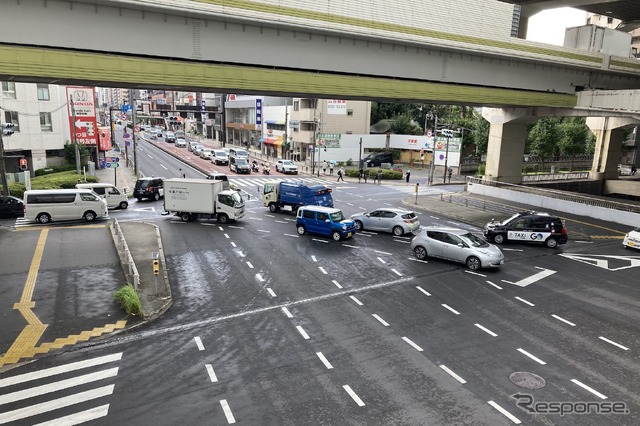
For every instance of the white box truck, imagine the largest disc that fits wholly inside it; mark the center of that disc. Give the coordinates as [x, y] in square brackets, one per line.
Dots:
[191, 199]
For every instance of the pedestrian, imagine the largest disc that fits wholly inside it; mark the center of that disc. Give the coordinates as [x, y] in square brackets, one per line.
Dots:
[331, 168]
[324, 167]
[379, 175]
[633, 170]
[340, 173]
[360, 174]
[407, 176]
[450, 171]
[182, 174]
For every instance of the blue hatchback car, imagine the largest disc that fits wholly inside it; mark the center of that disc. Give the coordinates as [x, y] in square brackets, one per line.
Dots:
[326, 221]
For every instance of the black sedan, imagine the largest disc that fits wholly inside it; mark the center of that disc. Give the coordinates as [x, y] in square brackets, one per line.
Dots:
[11, 206]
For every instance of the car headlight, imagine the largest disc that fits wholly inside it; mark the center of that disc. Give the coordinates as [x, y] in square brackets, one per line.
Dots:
[344, 227]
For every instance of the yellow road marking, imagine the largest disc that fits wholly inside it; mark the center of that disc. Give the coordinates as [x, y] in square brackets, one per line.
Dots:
[37, 227]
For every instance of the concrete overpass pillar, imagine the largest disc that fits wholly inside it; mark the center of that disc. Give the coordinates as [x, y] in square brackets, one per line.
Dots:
[609, 132]
[505, 151]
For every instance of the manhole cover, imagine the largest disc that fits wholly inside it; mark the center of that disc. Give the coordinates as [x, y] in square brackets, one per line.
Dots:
[527, 380]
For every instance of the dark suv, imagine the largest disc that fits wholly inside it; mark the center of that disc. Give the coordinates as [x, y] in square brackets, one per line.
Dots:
[531, 227]
[149, 188]
[377, 158]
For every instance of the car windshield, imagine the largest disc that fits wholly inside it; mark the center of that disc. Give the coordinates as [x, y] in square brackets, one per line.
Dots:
[504, 222]
[287, 162]
[237, 199]
[220, 154]
[337, 216]
[242, 153]
[143, 183]
[474, 241]
[241, 161]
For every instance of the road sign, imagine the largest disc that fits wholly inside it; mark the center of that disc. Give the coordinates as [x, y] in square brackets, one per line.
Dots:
[108, 165]
[115, 159]
[128, 143]
[127, 135]
[123, 116]
[137, 128]
[113, 164]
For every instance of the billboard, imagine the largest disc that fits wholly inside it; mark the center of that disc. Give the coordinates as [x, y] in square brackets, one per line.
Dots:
[336, 107]
[82, 115]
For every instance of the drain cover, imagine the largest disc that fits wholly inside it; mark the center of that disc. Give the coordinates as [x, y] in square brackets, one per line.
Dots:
[527, 380]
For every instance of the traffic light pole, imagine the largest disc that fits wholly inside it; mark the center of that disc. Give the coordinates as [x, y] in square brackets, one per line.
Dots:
[133, 131]
[73, 129]
[3, 171]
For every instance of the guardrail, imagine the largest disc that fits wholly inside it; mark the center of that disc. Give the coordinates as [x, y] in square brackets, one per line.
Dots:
[559, 195]
[128, 265]
[555, 176]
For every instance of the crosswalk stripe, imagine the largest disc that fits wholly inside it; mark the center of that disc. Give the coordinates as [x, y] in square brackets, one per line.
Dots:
[56, 386]
[22, 413]
[59, 370]
[79, 417]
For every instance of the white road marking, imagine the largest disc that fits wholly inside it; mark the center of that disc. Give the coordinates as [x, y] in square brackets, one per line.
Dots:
[423, 290]
[355, 299]
[387, 204]
[417, 260]
[259, 278]
[319, 240]
[434, 217]
[271, 292]
[79, 417]
[263, 230]
[291, 235]
[350, 204]
[233, 244]
[54, 404]
[349, 245]
[227, 411]
[382, 260]
[510, 249]
[249, 264]
[524, 301]
[450, 308]
[48, 372]
[324, 361]
[353, 395]
[495, 285]
[162, 166]
[401, 241]
[241, 254]
[383, 322]
[236, 227]
[221, 228]
[227, 236]
[452, 374]
[269, 215]
[476, 273]
[287, 312]
[533, 278]
[583, 242]
[382, 252]
[504, 412]
[364, 234]
[57, 386]
[313, 257]
[362, 208]
[409, 341]
[536, 359]
[199, 343]
[322, 270]
[336, 283]
[563, 320]
[486, 330]
[280, 221]
[212, 374]
[301, 331]
[613, 343]
[397, 273]
[590, 389]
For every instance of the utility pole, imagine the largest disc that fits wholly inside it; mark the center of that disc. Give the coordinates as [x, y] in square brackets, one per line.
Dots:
[133, 131]
[446, 155]
[433, 150]
[286, 125]
[3, 171]
[73, 130]
[315, 128]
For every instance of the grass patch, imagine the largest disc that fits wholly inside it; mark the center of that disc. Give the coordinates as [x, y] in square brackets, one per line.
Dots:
[129, 300]
[61, 180]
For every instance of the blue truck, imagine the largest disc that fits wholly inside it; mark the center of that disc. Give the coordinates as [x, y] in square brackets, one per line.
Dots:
[290, 195]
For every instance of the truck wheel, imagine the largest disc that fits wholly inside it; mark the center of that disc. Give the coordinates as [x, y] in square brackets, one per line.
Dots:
[186, 217]
[301, 230]
[498, 239]
[336, 236]
[223, 218]
[273, 208]
[124, 205]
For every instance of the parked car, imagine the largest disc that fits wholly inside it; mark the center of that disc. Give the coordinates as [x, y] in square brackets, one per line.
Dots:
[181, 143]
[206, 153]
[528, 227]
[170, 137]
[11, 206]
[377, 158]
[219, 157]
[396, 221]
[457, 245]
[149, 188]
[286, 166]
[239, 165]
[632, 239]
[327, 221]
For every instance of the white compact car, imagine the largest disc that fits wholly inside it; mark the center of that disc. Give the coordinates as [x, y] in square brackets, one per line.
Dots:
[632, 239]
[286, 166]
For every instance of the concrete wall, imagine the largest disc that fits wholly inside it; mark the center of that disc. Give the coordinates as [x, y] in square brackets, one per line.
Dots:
[601, 213]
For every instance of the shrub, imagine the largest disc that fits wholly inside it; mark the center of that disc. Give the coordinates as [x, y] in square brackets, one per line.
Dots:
[55, 169]
[481, 169]
[61, 180]
[128, 299]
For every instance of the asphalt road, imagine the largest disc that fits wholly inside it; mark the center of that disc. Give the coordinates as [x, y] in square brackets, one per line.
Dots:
[272, 328]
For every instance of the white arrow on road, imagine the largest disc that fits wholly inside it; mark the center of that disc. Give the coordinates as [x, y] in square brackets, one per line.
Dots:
[533, 278]
[600, 260]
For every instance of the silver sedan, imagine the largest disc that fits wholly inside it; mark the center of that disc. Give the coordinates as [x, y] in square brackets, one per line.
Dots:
[397, 221]
[457, 245]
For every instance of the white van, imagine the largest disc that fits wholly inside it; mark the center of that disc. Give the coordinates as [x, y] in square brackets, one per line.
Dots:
[45, 205]
[116, 199]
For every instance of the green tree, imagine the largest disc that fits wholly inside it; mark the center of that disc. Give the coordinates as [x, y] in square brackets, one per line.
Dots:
[574, 136]
[480, 132]
[70, 152]
[404, 125]
[543, 137]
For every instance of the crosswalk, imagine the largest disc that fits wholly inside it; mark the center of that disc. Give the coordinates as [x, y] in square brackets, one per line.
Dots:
[67, 394]
[254, 182]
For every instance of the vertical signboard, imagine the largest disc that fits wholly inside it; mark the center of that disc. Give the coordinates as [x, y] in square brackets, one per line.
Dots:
[84, 109]
[336, 107]
[258, 114]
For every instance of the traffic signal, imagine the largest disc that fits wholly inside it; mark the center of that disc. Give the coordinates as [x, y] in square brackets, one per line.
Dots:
[156, 267]
[422, 154]
[23, 164]
[7, 129]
